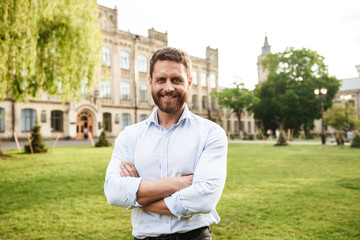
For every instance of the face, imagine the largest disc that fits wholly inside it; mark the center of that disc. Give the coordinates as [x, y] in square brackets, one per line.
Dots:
[169, 86]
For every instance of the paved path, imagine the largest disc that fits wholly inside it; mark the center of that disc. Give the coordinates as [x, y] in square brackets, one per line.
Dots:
[12, 145]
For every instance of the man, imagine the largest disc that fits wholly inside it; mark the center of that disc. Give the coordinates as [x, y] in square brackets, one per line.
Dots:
[169, 169]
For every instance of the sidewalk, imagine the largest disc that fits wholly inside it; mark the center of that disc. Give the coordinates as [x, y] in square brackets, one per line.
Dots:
[12, 145]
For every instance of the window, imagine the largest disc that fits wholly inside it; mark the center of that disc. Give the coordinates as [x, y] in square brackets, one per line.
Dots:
[213, 103]
[84, 87]
[1, 119]
[57, 121]
[249, 127]
[195, 101]
[203, 80]
[142, 63]
[212, 81]
[228, 125]
[124, 60]
[124, 90]
[236, 126]
[143, 117]
[105, 89]
[125, 120]
[106, 56]
[107, 121]
[195, 77]
[28, 117]
[242, 125]
[143, 92]
[204, 102]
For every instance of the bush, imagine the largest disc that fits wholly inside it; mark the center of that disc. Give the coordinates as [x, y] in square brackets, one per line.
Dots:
[356, 142]
[103, 141]
[37, 141]
[281, 141]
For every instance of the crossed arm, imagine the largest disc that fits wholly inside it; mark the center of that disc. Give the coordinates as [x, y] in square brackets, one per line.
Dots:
[151, 193]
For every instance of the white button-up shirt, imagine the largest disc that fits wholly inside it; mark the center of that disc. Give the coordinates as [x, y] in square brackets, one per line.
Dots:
[194, 145]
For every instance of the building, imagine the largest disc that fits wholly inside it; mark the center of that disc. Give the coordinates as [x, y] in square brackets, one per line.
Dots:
[121, 97]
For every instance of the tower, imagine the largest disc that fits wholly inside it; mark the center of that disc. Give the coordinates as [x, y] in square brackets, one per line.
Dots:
[263, 73]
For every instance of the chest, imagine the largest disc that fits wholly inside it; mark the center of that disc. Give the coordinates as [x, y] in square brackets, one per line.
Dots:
[160, 155]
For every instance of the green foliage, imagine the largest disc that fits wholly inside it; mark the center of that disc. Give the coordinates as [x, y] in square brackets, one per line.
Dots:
[37, 141]
[356, 141]
[103, 141]
[49, 46]
[336, 117]
[281, 141]
[287, 97]
[237, 99]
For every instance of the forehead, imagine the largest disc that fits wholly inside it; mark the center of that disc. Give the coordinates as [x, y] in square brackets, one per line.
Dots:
[169, 68]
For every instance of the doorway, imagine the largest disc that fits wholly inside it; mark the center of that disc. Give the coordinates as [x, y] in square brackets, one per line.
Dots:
[84, 125]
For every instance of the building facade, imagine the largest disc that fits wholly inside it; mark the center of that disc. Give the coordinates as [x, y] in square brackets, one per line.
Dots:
[120, 97]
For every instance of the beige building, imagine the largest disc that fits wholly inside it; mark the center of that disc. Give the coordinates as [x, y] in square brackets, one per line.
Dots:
[121, 98]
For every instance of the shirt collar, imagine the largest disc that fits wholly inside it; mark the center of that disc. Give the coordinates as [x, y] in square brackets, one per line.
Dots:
[154, 117]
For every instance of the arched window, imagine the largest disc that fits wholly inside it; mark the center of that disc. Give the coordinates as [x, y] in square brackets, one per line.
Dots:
[57, 121]
[28, 118]
[203, 80]
[195, 77]
[107, 121]
[125, 120]
[124, 90]
[1, 119]
[106, 56]
[124, 60]
[142, 63]
[105, 89]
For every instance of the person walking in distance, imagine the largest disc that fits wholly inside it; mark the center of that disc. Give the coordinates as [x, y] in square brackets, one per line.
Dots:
[170, 170]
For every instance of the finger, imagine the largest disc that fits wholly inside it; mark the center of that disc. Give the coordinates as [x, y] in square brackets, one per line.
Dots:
[131, 169]
[124, 170]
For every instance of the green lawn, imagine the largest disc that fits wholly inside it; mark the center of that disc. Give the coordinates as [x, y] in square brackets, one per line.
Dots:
[294, 192]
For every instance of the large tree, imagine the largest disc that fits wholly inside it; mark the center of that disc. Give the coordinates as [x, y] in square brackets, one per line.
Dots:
[341, 118]
[48, 46]
[237, 99]
[287, 98]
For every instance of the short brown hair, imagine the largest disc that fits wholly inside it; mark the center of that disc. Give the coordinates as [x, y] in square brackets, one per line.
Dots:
[171, 54]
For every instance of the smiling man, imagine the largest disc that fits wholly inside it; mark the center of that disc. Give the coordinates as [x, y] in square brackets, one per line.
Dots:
[171, 168]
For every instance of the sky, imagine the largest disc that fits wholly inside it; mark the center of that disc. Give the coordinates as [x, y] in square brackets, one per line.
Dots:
[237, 29]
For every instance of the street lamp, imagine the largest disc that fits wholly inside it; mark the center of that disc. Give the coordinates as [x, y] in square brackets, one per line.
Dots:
[321, 94]
[346, 98]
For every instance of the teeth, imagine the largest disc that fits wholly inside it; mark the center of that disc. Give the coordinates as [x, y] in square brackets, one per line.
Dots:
[169, 97]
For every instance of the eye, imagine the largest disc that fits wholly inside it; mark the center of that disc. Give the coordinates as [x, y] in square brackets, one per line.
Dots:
[160, 80]
[177, 80]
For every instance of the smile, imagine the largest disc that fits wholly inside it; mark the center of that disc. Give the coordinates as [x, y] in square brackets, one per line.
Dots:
[168, 97]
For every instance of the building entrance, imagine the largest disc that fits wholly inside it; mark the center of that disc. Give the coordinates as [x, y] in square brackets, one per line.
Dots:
[84, 125]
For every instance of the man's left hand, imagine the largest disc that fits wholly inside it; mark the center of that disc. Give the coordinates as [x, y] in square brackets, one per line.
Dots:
[128, 170]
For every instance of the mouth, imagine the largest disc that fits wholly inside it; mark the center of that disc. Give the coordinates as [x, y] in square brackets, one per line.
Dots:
[168, 97]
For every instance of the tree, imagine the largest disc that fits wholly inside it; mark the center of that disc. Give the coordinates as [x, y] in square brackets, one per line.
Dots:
[37, 141]
[287, 99]
[355, 142]
[336, 117]
[237, 99]
[48, 46]
[103, 141]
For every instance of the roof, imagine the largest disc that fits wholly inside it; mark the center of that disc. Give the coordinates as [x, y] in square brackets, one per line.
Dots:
[350, 84]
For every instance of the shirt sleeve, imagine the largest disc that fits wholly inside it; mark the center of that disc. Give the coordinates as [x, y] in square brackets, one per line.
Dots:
[209, 179]
[121, 191]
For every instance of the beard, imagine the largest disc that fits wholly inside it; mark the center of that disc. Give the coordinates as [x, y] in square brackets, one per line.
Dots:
[169, 107]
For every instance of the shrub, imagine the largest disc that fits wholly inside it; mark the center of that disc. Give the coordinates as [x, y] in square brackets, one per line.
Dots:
[103, 141]
[356, 142]
[281, 141]
[37, 141]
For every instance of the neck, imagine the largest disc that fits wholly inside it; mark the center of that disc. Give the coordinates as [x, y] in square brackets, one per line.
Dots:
[166, 120]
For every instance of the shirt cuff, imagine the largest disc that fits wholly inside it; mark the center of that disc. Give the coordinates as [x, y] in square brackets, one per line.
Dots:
[173, 203]
[132, 186]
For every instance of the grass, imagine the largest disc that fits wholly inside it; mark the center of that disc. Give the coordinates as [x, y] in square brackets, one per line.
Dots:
[294, 192]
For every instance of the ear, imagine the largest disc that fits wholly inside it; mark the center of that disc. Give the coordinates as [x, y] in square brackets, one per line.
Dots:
[149, 79]
[190, 79]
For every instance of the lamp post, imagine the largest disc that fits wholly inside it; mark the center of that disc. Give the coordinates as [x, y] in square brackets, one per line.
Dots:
[346, 98]
[321, 94]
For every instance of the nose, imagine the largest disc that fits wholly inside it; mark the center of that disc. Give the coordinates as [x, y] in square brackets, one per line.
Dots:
[168, 86]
